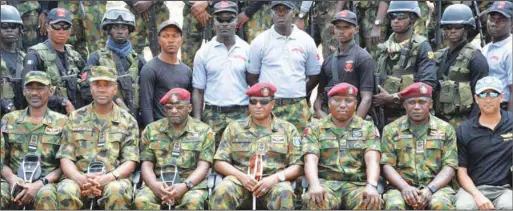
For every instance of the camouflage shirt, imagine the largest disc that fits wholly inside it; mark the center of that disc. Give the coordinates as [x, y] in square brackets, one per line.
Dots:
[194, 143]
[242, 138]
[419, 157]
[341, 151]
[24, 137]
[84, 140]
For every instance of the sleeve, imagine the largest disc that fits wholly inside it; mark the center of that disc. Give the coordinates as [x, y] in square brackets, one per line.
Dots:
[311, 141]
[146, 153]
[255, 57]
[141, 64]
[462, 148]
[67, 148]
[253, 7]
[130, 146]
[305, 6]
[313, 66]
[295, 151]
[93, 59]
[508, 66]
[224, 152]
[4, 144]
[388, 155]
[199, 75]
[449, 150]
[208, 148]
[146, 94]
[368, 67]
[373, 138]
[426, 71]
[32, 62]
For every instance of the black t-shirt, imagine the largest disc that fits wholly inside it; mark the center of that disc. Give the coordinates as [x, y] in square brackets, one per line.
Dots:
[10, 60]
[486, 154]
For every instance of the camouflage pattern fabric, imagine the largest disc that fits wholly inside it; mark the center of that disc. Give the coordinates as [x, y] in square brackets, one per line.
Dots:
[141, 37]
[87, 34]
[29, 11]
[7, 88]
[218, 121]
[194, 199]
[442, 199]
[193, 35]
[298, 113]
[367, 11]
[454, 120]
[5, 196]
[261, 20]
[324, 11]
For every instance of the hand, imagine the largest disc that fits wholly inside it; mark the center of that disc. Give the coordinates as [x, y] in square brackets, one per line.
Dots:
[248, 182]
[175, 192]
[371, 197]
[483, 203]
[87, 187]
[375, 35]
[203, 18]
[382, 98]
[69, 107]
[142, 6]
[317, 195]
[159, 189]
[28, 193]
[199, 7]
[425, 197]
[42, 23]
[410, 195]
[101, 180]
[264, 185]
[242, 18]
[300, 23]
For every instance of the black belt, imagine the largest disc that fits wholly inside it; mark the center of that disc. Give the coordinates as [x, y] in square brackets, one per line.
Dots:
[225, 109]
[286, 101]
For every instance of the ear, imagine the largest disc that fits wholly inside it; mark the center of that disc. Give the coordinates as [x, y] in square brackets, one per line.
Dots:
[52, 90]
[189, 108]
[357, 30]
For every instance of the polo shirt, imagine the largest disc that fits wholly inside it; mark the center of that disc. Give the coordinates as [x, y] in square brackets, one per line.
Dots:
[498, 55]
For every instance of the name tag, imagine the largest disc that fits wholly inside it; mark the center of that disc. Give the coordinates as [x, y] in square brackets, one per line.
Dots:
[343, 144]
[52, 131]
[277, 139]
[419, 146]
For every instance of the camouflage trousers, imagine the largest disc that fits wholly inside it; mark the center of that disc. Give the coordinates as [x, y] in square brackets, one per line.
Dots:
[442, 199]
[231, 195]
[193, 35]
[298, 113]
[341, 195]
[30, 16]
[259, 22]
[141, 37]
[454, 120]
[366, 17]
[218, 121]
[45, 199]
[117, 195]
[194, 199]
[324, 11]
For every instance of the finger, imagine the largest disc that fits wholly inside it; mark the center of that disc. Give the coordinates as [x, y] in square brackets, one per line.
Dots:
[20, 195]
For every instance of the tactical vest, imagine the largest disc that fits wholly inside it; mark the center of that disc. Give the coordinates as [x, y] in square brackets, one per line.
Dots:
[402, 73]
[11, 85]
[455, 94]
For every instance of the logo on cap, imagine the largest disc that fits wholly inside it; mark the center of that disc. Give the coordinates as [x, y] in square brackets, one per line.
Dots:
[265, 91]
[423, 89]
[488, 80]
[342, 14]
[350, 90]
[349, 66]
[223, 4]
[174, 98]
[61, 12]
[502, 4]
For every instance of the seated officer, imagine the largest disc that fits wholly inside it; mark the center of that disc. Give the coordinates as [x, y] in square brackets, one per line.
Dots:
[178, 140]
[261, 133]
[419, 155]
[343, 151]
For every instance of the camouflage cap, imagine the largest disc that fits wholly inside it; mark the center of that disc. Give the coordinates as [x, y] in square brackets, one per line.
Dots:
[103, 73]
[37, 76]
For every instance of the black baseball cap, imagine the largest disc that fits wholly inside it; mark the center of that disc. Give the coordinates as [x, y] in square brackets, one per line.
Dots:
[59, 15]
[288, 4]
[168, 23]
[225, 6]
[347, 16]
[503, 7]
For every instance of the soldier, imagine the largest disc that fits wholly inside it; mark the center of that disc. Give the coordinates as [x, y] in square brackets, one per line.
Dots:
[58, 60]
[459, 66]
[148, 14]
[262, 133]
[357, 65]
[255, 18]
[99, 132]
[343, 151]
[419, 155]
[119, 54]
[179, 140]
[212, 79]
[287, 56]
[34, 130]
[11, 65]
[404, 58]
[373, 24]
[196, 27]
[34, 15]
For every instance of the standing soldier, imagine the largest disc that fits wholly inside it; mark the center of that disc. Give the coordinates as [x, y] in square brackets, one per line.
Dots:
[99, 132]
[262, 133]
[373, 24]
[33, 14]
[35, 130]
[419, 155]
[196, 27]
[459, 66]
[11, 61]
[58, 60]
[118, 54]
[286, 56]
[220, 68]
[343, 151]
[255, 18]
[404, 58]
[177, 140]
[352, 64]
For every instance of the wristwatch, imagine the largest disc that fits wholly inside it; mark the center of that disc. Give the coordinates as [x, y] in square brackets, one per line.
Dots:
[301, 15]
[189, 184]
[44, 181]
[281, 177]
[395, 98]
[378, 22]
[373, 184]
[432, 188]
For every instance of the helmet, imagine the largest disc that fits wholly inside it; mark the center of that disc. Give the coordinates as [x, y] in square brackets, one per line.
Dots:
[404, 6]
[458, 14]
[11, 15]
[119, 16]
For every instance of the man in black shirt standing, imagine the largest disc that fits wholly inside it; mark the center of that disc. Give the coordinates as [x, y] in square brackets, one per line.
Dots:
[485, 147]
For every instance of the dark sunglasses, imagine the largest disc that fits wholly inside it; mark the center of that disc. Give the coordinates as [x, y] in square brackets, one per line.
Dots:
[483, 95]
[57, 26]
[453, 26]
[263, 102]
[225, 19]
[9, 25]
[398, 15]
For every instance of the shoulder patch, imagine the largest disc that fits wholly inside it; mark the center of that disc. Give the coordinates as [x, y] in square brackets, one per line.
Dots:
[431, 55]
[296, 140]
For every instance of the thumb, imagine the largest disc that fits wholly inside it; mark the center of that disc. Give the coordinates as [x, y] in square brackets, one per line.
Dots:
[381, 89]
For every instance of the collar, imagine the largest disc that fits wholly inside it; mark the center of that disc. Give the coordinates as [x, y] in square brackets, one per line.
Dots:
[217, 43]
[355, 122]
[166, 128]
[502, 42]
[249, 120]
[25, 113]
[349, 49]
[116, 113]
[292, 35]
[405, 124]
[459, 46]
[504, 119]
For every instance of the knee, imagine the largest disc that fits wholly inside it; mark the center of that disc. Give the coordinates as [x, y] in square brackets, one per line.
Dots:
[140, 202]
[504, 201]
[440, 203]
[395, 204]
[68, 188]
[465, 204]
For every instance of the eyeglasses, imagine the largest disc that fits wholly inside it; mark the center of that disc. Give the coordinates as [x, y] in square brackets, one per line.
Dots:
[264, 102]
[398, 15]
[9, 25]
[453, 26]
[340, 101]
[483, 95]
[57, 26]
[229, 19]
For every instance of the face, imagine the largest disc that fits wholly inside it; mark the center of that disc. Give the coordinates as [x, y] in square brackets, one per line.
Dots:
[59, 32]
[103, 91]
[417, 108]
[37, 94]
[170, 40]
[498, 25]
[282, 16]
[177, 113]
[455, 32]
[342, 107]
[489, 101]
[225, 24]
[261, 107]
[10, 32]
[345, 31]
[119, 33]
[400, 21]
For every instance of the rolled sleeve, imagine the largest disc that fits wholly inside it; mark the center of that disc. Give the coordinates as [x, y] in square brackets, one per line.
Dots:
[373, 138]
[450, 151]
[388, 155]
[311, 142]
[225, 147]
[207, 149]
[67, 148]
[295, 152]
[130, 146]
[146, 153]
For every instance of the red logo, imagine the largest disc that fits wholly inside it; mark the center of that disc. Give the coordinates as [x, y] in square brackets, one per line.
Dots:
[174, 98]
[502, 4]
[349, 66]
[342, 13]
[240, 57]
[224, 4]
[495, 58]
[297, 50]
[61, 12]
[265, 91]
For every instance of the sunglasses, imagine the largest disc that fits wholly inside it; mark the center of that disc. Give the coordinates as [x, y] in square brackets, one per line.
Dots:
[9, 25]
[483, 95]
[57, 26]
[264, 102]
[453, 26]
[398, 15]
[229, 19]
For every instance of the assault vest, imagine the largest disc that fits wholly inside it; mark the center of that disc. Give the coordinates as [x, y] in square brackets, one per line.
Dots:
[399, 72]
[455, 94]
[11, 85]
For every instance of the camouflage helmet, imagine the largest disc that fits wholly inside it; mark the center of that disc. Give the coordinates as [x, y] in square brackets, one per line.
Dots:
[119, 16]
[458, 14]
[10, 15]
[404, 6]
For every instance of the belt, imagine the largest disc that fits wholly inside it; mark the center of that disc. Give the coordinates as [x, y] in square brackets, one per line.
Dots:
[286, 101]
[225, 109]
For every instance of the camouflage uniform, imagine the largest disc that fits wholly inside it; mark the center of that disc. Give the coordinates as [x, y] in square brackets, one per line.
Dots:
[24, 137]
[143, 33]
[161, 147]
[367, 11]
[342, 168]
[218, 121]
[29, 11]
[323, 12]
[193, 34]
[418, 158]
[85, 140]
[240, 141]
[297, 113]
[258, 22]
[9, 91]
